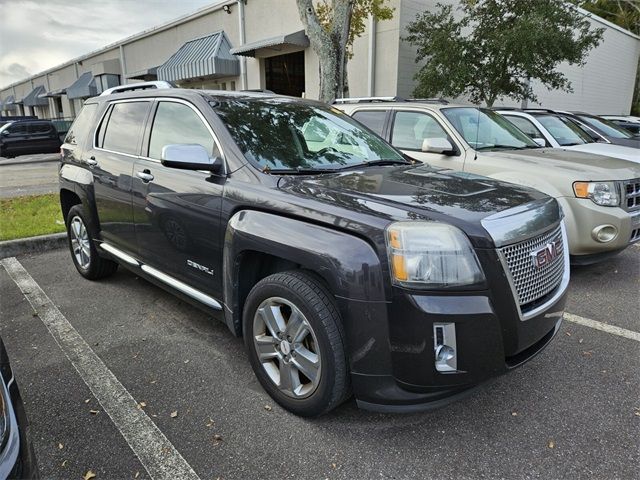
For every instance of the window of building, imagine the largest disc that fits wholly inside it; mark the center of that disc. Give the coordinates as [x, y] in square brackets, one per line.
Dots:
[411, 128]
[125, 124]
[177, 123]
[373, 119]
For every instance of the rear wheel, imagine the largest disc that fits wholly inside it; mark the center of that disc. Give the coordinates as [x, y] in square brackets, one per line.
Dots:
[81, 235]
[293, 333]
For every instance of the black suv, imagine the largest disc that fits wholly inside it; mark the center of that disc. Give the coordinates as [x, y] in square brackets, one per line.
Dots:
[24, 137]
[347, 268]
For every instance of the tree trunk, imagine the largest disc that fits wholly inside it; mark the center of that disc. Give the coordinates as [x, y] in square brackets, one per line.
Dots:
[329, 45]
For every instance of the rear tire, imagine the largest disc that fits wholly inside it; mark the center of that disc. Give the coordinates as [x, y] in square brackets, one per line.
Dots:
[295, 341]
[81, 235]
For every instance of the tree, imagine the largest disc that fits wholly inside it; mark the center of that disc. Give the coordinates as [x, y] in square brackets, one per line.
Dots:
[332, 28]
[497, 47]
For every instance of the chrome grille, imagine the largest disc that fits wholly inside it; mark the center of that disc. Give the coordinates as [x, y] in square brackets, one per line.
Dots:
[631, 192]
[530, 282]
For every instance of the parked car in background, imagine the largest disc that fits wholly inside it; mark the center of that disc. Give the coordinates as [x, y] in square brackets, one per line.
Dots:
[558, 131]
[627, 122]
[348, 268]
[17, 458]
[24, 137]
[603, 130]
[600, 196]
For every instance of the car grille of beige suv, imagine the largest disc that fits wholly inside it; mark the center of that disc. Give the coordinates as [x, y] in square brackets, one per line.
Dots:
[532, 284]
[631, 191]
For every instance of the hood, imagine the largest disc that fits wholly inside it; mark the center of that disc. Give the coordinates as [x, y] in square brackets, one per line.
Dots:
[572, 164]
[609, 150]
[400, 193]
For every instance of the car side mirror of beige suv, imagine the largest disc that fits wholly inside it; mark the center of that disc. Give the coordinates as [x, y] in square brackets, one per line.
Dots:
[437, 145]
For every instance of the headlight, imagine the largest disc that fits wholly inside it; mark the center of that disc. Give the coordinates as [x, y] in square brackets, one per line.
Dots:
[431, 255]
[600, 193]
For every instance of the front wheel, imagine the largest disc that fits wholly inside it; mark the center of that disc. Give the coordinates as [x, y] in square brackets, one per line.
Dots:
[294, 337]
[84, 253]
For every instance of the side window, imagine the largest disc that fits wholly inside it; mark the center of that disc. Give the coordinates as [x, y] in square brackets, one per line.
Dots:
[178, 123]
[411, 128]
[124, 127]
[18, 129]
[40, 128]
[372, 119]
[82, 124]
[525, 125]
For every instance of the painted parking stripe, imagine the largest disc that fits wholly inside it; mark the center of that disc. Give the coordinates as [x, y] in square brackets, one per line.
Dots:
[156, 453]
[605, 327]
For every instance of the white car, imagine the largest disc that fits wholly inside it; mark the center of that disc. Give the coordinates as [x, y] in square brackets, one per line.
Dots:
[551, 129]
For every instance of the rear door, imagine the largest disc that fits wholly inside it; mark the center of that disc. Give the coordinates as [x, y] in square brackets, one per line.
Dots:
[115, 149]
[177, 212]
[41, 134]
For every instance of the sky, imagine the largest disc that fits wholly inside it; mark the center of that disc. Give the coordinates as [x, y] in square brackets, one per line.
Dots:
[37, 35]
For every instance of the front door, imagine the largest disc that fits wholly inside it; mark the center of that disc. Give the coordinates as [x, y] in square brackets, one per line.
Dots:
[410, 128]
[177, 212]
[284, 74]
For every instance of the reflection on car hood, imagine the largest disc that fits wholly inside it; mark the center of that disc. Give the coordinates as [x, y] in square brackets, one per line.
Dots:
[394, 191]
[571, 163]
[609, 150]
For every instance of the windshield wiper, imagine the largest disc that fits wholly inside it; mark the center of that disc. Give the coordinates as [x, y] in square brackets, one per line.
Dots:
[508, 147]
[381, 163]
[299, 171]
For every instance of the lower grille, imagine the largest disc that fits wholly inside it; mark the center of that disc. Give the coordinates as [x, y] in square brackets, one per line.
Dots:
[533, 280]
[631, 194]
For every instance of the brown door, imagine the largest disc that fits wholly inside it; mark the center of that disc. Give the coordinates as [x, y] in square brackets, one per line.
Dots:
[285, 74]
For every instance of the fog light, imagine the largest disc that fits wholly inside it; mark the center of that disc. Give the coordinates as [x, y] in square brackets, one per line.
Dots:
[604, 233]
[444, 345]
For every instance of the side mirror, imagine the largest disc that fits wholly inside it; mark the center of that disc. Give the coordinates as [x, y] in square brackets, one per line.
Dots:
[540, 141]
[187, 156]
[437, 145]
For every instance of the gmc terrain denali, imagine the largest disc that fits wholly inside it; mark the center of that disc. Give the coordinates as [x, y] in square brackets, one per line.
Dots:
[346, 267]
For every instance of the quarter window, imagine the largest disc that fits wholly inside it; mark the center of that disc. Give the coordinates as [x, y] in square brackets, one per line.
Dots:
[125, 126]
[411, 128]
[178, 123]
[82, 124]
[373, 119]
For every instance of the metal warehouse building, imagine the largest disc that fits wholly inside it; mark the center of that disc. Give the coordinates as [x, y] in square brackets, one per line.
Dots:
[261, 44]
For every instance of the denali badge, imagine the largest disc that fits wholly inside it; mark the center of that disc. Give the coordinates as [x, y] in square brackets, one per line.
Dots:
[197, 266]
[545, 254]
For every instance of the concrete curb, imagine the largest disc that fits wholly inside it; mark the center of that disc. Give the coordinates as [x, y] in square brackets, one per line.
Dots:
[39, 244]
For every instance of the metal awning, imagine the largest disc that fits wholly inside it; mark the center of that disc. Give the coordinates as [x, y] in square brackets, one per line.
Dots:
[147, 74]
[295, 39]
[53, 93]
[34, 100]
[83, 87]
[9, 103]
[203, 57]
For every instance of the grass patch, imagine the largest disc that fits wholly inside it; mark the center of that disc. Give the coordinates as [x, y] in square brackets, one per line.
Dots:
[29, 216]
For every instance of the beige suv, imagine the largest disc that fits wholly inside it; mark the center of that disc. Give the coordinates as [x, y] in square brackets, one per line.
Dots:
[600, 195]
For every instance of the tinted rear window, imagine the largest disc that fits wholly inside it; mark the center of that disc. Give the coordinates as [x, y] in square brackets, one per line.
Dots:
[40, 127]
[82, 124]
[124, 127]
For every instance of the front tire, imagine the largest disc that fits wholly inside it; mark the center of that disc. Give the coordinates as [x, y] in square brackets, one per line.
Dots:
[295, 341]
[81, 235]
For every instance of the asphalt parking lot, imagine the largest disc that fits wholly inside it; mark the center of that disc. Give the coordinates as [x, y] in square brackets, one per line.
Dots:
[572, 412]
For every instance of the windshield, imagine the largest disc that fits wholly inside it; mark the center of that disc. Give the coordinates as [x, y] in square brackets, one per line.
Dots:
[280, 134]
[5, 126]
[606, 127]
[485, 130]
[564, 130]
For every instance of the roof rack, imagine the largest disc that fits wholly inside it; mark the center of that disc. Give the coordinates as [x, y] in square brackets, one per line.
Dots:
[369, 99]
[429, 100]
[548, 110]
[137, 86]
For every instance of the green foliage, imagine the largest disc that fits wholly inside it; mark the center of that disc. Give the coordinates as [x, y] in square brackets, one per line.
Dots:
[494, 48]
[361, 11]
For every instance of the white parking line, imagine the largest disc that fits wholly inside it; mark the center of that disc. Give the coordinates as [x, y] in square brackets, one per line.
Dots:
[156, 453]
[605, 327]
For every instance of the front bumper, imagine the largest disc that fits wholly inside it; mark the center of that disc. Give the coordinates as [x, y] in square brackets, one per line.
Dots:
[392, 344]
[582, 216]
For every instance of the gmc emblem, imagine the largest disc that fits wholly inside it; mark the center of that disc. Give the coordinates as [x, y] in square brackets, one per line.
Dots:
[545, 254]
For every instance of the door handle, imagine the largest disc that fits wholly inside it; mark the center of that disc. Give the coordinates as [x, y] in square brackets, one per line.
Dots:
[145, 176]
[92, 162]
